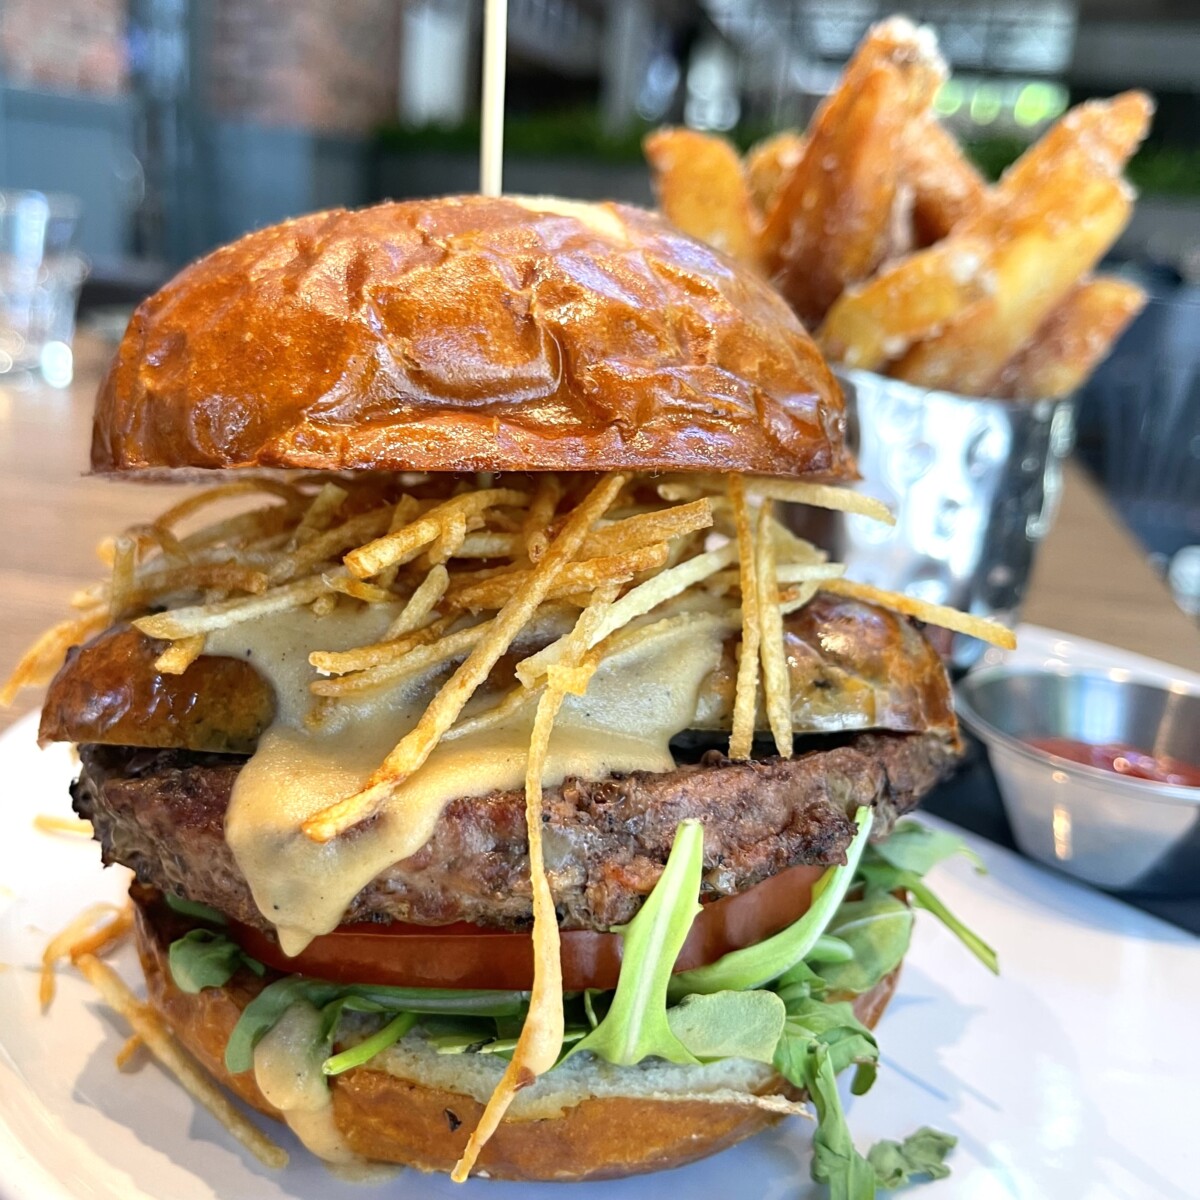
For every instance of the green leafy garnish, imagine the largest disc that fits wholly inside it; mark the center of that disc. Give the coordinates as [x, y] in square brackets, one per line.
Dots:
[636, 1026]
[729, 1025]
[366, 1050]
[902, 860]
[877, 930]
[920, 1154]
[754, 966]
[205, 958]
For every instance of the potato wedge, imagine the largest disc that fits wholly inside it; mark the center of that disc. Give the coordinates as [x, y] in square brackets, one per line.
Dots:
[1035, 265]
[701, 190]
[769, 163]
[831, 223]
[947, 189]
[1072, 341]
[875, 322]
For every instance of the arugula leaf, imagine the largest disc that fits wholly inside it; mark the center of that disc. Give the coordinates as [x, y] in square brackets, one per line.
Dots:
[262, 1013]
[729, 1025]
[636, 1026]
[877, 929]
[836, 1161]
[206, 958]
[902, 860]
[921, 1153]
[754, 966]
[912, 846]
[366, 1050]
[847, 1039]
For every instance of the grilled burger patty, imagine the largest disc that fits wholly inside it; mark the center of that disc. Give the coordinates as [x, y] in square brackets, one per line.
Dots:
[161, 813]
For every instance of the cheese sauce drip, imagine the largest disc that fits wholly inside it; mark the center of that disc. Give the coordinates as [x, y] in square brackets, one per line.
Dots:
[642, 695]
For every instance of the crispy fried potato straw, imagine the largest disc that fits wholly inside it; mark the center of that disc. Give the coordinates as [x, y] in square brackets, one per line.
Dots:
[150, 1028]
[932, 614]
[44, 657]
[76, 826]
[540, 1041]
[179, 623]
[225, 491]
[128, 1052]
[644, 529]
[180, 655]
[80, 933]
[442, 712]
[120, 590]
[421, 603]
[319, 515]
[383, 552]
[635, 603]
[536, 527]
[745, 704]
[777, 687]
[821, 495]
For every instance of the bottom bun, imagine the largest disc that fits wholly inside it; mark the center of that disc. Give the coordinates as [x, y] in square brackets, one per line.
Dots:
[586, 1120]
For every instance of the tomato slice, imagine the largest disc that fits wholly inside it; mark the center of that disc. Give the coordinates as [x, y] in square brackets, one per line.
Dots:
[470, 956]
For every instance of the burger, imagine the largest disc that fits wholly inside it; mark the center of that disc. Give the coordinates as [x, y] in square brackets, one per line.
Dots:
[506, 785]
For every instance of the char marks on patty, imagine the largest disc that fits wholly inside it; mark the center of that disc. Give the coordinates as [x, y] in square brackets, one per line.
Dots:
[162, 814]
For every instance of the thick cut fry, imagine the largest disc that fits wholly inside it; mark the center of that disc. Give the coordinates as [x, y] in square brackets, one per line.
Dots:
[75, 826]
[916, 297]
[947, 189]
[821, 495]
[120, 590]
[932, 614]
[128, 1052]
[831, 223]
[777, 688]
[1072, 341]
[769, 163]
[1093, 141]
[1035, 266]
[392, 548]
[443, 710]
[745, 703]
[198, 1083]
[700, 187]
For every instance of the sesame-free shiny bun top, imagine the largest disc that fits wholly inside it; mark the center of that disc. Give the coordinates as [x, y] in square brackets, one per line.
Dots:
[467, 333]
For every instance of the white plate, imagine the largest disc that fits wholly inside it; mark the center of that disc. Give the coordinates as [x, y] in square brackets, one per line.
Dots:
[1070, 1077]
[1050, 649]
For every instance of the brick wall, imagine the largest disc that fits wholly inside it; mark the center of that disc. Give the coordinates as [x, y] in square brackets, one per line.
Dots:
[64, 45]
[328, 65]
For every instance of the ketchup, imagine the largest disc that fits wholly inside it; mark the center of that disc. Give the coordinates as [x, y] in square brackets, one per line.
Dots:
[1121, 760]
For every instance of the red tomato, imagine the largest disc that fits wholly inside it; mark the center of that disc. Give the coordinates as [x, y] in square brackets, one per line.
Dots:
[469, 956]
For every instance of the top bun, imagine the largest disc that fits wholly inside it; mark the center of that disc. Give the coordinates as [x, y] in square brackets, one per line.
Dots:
[470, 334]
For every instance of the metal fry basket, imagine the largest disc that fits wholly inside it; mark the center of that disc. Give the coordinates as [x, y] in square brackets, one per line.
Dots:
[974, 485]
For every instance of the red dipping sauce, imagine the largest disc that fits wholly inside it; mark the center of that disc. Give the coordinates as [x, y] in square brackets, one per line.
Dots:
[1121, 760]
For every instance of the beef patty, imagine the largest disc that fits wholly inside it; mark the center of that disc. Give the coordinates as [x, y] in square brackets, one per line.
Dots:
[162, 812]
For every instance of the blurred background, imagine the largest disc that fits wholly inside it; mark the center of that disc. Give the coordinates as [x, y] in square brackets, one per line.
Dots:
[157, 129]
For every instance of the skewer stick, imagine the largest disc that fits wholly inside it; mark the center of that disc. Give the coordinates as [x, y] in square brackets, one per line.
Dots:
[491, 148]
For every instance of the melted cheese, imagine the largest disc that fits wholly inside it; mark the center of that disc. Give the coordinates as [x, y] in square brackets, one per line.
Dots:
[287, 1069]
[640, 697]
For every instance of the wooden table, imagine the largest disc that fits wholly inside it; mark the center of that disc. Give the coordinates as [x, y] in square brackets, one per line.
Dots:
[1092, 579]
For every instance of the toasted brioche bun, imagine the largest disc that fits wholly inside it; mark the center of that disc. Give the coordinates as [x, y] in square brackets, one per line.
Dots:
[588, 1120]
[470, 334]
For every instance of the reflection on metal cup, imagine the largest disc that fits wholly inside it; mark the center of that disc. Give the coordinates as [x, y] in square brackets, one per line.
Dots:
[974, 485]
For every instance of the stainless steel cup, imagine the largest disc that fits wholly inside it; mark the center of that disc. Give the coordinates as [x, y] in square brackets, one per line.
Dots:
[974, 485]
